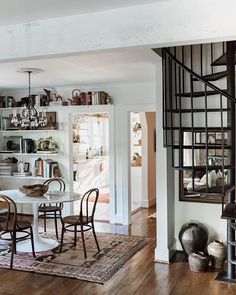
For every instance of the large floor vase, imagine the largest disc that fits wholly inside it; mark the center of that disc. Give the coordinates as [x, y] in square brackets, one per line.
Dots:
[193, 238]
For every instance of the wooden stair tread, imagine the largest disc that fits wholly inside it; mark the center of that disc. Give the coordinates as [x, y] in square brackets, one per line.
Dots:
[229, 211]
[214, 76]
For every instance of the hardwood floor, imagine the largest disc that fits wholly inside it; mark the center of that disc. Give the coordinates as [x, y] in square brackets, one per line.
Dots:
[140, 275]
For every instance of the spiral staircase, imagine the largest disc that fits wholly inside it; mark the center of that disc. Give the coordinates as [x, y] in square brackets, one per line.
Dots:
[199, 102]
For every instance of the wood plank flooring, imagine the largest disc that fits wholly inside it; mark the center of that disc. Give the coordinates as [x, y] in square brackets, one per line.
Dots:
[139, 276]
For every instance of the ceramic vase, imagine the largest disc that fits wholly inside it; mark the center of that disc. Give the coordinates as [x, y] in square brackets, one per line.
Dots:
[198, 262]
[193, 238]
[217, 252]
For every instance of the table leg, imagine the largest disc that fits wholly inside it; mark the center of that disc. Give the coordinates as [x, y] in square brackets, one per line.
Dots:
[40, 244]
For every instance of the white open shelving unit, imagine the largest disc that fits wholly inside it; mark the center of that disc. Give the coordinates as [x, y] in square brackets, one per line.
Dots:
[61, 136]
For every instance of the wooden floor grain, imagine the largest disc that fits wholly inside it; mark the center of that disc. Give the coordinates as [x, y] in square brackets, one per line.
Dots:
[139, 276]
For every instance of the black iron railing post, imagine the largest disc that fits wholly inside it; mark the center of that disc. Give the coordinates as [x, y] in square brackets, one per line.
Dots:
[230, 51]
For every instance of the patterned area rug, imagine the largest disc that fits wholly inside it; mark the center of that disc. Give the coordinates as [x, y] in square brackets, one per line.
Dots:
[98, 267]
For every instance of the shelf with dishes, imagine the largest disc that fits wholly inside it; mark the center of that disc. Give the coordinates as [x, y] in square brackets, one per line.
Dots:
[19, 145]
[23, 177]
[30, 130]
[28, 157]
[34, 168]
[41, 154]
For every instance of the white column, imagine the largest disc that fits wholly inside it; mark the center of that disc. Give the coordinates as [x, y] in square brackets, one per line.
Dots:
[164, 185]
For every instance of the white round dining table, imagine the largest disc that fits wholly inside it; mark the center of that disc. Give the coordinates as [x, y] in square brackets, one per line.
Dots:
[40, 243]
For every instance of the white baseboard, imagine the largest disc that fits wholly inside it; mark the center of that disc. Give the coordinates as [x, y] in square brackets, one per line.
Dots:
[165, 255]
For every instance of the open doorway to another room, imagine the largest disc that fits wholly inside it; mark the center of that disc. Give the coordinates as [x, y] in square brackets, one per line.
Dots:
[143, 160]
[91, 159]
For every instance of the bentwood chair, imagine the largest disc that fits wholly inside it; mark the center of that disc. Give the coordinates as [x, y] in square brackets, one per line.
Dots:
[10, 224]
[82, 222]
[52, 210]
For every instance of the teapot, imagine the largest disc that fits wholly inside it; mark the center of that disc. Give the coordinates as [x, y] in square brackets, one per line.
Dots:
[76, 98]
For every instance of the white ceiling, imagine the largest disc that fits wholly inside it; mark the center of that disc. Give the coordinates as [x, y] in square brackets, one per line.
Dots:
[21, 11]
[134, 65]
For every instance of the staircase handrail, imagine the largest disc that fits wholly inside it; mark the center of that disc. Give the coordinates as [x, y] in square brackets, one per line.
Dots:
[199, 77]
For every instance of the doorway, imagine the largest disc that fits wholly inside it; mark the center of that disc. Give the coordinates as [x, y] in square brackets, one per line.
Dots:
[142, 172]
[90, 132]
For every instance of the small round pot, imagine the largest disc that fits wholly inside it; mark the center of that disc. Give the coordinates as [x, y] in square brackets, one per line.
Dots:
[217, 252]
[198, 262]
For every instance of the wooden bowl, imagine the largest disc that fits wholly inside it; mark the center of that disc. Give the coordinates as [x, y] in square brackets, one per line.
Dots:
[36, 190]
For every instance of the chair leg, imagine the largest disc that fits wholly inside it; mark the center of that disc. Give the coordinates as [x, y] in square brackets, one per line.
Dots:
[55, 219]
[13, 249]
[11, 234]
[45, 221]
[95, 237]
[14, 239]
[75, 235]
[83, 241]
[32, 241]
[62, 236]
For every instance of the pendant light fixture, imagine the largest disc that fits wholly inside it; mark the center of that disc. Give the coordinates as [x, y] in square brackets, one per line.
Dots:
[29, 117]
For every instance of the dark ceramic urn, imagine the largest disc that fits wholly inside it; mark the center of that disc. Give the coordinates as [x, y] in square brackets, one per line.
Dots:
[193, 238]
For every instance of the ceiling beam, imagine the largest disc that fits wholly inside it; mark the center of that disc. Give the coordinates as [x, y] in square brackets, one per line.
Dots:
[159, 24]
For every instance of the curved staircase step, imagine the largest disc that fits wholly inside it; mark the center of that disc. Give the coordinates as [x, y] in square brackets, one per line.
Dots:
[202, 147]
[229, 211]
[221, 61]
[203, 168]
[209, 110]
[214, 76]
[199, 93]
[199, 129]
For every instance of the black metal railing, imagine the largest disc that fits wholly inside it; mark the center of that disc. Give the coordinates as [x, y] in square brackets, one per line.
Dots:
[194, 108]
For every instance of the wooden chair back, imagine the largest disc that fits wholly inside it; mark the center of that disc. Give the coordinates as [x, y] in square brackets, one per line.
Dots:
[59, 181]
[62, 187]
[8, 213]
[86, 211]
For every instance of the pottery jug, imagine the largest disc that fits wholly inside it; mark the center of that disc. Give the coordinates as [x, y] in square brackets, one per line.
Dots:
[193, 238]
[198, 262]
[217, 251]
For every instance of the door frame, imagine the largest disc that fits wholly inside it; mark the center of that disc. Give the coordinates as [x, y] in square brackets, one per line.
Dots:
[126, 110]
[109, 109]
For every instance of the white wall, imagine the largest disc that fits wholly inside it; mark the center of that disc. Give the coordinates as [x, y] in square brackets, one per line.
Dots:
[208, 214]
